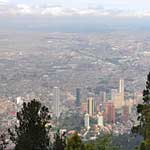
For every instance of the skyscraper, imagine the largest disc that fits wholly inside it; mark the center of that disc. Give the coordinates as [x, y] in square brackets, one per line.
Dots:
[90, 106]
[109, 112]
[119, 96]
[104, 97]
[125, 114]
[87, 121]
[100, 120]
[84, 107]
[56, 93]
[121, 88]
[78, 96]
[113, 93]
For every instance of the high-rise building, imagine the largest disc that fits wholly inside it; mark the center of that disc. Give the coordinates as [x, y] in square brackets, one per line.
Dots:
[118, 101]
[121, 89]
[90, 106]
[125, 116]
[113, 93]
[56, 93]
[97, 107]
[104, 97]
[130, 104]
[100, 120]
[119, 97]
[109, 112]
[87, 121]
[121, 86]
[78, 96]
[84, 107]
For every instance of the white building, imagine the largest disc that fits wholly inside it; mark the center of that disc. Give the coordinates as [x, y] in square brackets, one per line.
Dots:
[56, 94]
[100, 121]
[87, 121]
[90, 106]
[19, 101]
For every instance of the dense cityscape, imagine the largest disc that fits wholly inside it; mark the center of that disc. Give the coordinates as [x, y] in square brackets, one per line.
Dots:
[91, 82]
[74, 75]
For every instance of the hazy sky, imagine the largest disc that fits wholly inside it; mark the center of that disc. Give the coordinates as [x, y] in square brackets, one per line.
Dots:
[70, 12]
[125, 8]
[119, 4]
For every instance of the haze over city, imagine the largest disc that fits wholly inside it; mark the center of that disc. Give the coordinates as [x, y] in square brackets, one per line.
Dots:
[74, 70]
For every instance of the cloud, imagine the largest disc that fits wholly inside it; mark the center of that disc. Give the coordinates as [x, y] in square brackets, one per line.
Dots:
[137, 14]
[60, 11]
[3, 1]
[24, 9]
[55, 10]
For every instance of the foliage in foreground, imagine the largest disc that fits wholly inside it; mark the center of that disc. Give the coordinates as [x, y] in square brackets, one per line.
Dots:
[31, 133]
[59, 142]
[144, 117]
[3, 142]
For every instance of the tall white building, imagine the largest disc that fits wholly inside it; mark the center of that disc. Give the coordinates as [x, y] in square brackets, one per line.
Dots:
[90, 106]
[87, 121]
[121, 87]
[100, 121]
[121, 90]
[56, 94]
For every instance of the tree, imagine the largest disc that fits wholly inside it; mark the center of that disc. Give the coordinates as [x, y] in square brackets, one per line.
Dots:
[143, 128]
[31, 132]
[60, 142]
[3, 142]
[74, 143]
[103, 143]
[126, 141]
[89, 146]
